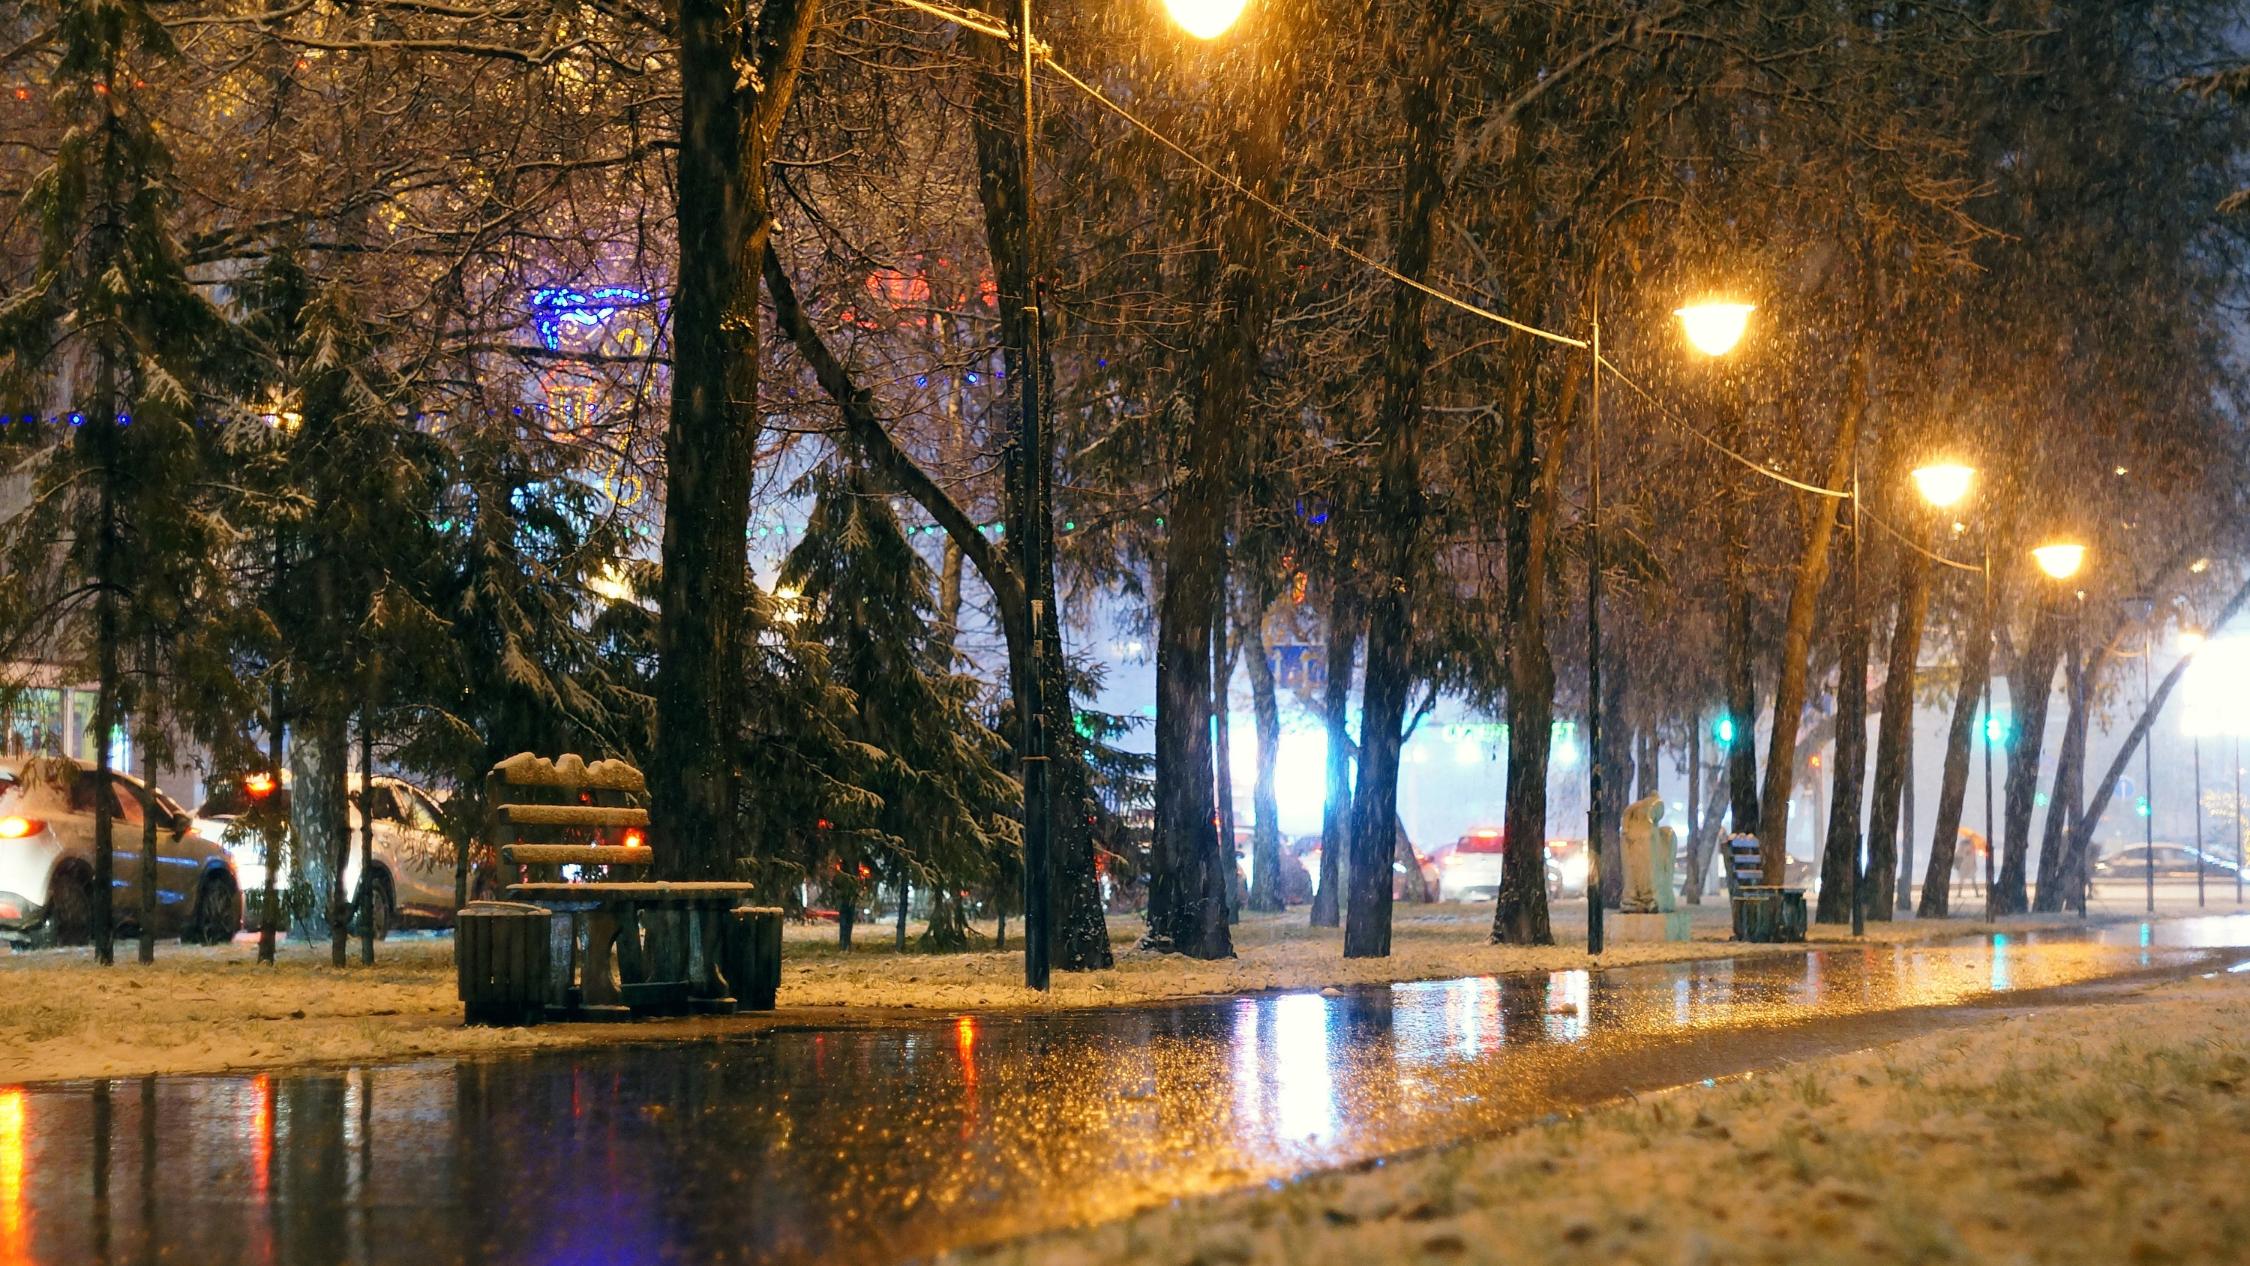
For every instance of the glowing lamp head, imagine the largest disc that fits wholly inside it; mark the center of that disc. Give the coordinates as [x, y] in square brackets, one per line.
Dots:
[2191, 641]
[1944, 484]
[1205, 19]
[259, 785]
[1714, 328]
[2061, 560]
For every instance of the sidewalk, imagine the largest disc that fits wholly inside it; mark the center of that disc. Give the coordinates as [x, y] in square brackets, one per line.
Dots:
[2092, 1134]
[209, 1009]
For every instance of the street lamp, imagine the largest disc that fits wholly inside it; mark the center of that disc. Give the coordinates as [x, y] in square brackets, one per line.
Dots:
[1943, 484]
[2060, 560]
[1205, 19]
[1715, 326]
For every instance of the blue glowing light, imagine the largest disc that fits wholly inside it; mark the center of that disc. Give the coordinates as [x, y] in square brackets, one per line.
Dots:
[1723, 730]
[553, 307]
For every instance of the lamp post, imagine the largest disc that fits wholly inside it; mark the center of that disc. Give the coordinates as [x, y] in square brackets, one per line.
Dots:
[1713, 327]
[1204, 19]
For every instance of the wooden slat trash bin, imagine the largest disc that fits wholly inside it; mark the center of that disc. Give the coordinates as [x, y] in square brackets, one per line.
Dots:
[1767, 915]
[751, 957]
[501, 961]
[617, 945]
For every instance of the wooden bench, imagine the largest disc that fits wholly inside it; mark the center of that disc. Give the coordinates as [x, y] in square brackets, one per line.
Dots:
[615, 946]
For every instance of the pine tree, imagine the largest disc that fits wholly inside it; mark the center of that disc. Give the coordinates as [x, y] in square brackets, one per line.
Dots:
[112, 336]
[933, 765]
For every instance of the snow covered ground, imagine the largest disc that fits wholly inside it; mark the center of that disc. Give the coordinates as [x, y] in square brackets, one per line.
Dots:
[212, 1009]
[2095, 1134]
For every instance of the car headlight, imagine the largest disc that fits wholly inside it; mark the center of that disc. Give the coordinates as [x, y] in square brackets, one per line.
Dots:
[1573, 871]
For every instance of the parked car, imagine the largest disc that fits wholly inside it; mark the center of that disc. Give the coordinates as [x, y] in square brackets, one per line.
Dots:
[2174, 863]
[47, 858]
[414, 862]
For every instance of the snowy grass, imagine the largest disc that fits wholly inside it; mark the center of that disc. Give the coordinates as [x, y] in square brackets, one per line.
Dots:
[2102, 1134]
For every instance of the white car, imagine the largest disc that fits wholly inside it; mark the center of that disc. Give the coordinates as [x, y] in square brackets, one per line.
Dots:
[414, 862]
[47, 858]
[1471, 869]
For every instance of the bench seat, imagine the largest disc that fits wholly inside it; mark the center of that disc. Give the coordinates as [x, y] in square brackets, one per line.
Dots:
[577, 855]
[650, 892]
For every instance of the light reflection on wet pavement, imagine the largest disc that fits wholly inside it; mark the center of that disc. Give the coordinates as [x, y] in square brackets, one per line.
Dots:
[877, 1144]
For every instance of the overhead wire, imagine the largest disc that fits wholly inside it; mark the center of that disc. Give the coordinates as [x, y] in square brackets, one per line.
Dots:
[1911, 544]
[1335, 243]
[1751, 463]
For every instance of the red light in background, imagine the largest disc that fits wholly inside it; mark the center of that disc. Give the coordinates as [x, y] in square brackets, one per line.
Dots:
[17, 828]
[259, 785]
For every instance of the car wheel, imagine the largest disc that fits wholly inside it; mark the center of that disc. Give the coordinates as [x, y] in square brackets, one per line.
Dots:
[70, 908]
[378, 906]
[218, 911]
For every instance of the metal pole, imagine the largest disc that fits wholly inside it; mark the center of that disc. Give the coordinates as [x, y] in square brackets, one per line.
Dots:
[2198, 741]
[1991, 637]
[1031, 544]
[2148, 771]
[1859, 613]
[1594, 634]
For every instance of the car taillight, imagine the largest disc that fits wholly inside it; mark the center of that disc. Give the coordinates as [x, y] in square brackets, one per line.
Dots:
[16, 828]
[634, 839]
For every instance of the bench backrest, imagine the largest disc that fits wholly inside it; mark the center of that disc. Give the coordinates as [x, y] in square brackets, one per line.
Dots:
[1746, 862]
[548, 814]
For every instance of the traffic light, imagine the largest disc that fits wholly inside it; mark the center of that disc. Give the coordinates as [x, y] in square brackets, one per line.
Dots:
[1723, 730]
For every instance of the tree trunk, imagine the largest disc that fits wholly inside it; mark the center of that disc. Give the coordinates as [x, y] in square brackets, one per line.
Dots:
[107, 683]
[730, 111]
[147, 744]
[1265, 706]
[1336, 808]
[1222, 743]
[1394, 524]
[2060, 862]
[2030, 687]
[1892, 736]
[1953, 786]
[1703, 838]
[1691, 883]
[1520, 915]
[1796, 635]
[1742, 701]
[1906, 823]
[317, 816]
[272, 824]
[1840, 852]
[1187, 881]
[1188, 855]
[367, 835]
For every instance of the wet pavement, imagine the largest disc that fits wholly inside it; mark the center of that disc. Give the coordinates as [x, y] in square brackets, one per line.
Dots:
[882, 1144]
